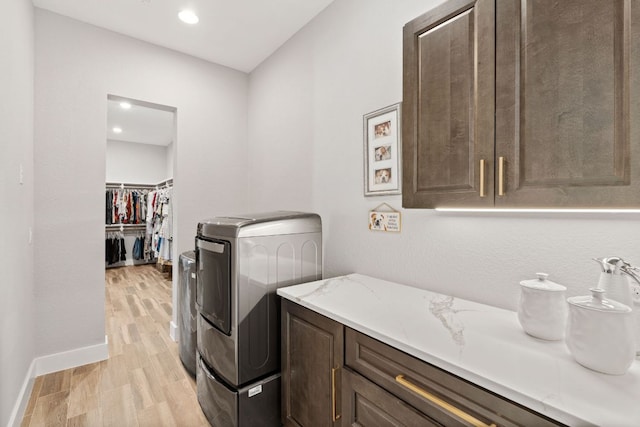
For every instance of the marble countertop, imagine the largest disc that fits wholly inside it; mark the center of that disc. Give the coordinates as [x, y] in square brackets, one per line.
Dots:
[480, 343]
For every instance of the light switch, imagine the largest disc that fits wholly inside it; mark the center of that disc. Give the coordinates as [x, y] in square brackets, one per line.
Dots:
[30, 235]
[21, 175]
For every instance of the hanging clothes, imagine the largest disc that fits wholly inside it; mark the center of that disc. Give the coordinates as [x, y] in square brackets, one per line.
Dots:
[125, 206]
[138, 248]
[109, 207]
[159, 220]
[133, 206]
[115, 250]
[166, 228]
[123, 250]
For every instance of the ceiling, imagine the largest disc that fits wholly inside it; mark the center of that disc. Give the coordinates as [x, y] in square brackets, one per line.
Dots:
[239, 34]
[142, 123]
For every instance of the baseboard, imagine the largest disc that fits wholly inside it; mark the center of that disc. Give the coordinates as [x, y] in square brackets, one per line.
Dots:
[23, 397]
[72, 358]
[53, 363]
[173, 331]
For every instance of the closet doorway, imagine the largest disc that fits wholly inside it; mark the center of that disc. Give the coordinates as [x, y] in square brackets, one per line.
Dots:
[139, 189]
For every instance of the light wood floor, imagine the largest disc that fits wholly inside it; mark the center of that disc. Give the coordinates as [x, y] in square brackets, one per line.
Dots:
[143, 383]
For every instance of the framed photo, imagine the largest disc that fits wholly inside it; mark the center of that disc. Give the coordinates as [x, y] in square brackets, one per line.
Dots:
[382, 174]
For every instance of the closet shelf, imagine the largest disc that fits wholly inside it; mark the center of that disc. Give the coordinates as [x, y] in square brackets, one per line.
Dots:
[110, 228]
[133, 186]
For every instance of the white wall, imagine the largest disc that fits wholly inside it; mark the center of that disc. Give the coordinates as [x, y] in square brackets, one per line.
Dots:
[282, 129]
[306, 151]
[169, 155]
[77, 65]
[17, 323]
[136, 163]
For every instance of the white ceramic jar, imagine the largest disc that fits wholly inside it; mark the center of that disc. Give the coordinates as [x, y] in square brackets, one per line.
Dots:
[600, 333]
[542, 310]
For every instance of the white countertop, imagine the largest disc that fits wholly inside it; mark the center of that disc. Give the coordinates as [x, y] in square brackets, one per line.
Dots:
[480, 343]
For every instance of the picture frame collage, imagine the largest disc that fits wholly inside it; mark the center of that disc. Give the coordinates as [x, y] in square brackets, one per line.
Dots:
[382, 152]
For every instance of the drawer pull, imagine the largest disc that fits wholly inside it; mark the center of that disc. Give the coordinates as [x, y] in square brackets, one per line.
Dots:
[501, 176]
[483, 163]
[334, 412]
[441, 403]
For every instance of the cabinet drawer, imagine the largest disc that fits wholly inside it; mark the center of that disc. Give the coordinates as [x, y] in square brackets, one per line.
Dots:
[367, 405]
[383, 365]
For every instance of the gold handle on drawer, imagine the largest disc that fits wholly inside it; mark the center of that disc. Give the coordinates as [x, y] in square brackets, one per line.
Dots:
[334, 412]
[483, 165]
[441, 403]
[501, 176]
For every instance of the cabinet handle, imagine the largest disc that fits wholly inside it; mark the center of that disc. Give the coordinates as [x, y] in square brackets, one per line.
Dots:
[441, 403]
[334, 411]
[501, 176]
[483, 165]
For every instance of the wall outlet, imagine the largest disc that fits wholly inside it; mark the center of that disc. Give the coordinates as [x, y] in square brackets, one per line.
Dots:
[635, 293]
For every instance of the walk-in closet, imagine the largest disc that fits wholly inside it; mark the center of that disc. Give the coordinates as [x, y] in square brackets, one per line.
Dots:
[139, 184]
[138, 224]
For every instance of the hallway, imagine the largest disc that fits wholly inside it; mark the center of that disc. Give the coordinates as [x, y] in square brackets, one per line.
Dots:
[143, 383]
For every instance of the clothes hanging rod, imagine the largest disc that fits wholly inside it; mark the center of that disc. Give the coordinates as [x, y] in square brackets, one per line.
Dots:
[122, 227]
[129, 185]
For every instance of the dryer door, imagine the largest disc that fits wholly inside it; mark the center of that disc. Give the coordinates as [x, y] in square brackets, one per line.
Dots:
[213, 260]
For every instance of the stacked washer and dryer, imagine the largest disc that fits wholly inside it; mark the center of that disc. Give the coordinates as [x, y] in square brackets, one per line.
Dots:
[240, 262]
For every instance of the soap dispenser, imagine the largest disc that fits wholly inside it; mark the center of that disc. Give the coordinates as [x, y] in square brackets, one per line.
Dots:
[633, 273]
[613, 281]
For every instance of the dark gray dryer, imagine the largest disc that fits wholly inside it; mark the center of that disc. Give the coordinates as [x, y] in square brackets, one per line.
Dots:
[241, 261]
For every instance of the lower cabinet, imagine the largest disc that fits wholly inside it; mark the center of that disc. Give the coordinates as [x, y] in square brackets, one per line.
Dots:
[312, 358]
[333, 375]
[440, 397]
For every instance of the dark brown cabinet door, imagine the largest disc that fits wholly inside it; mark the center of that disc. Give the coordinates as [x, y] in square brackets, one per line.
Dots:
[541, 93]
[368, 405]
[448, 106]
[566, 88]
[312, 359]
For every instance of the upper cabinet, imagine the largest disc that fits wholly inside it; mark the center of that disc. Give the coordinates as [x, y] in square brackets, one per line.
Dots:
[522, 103]
[448, 106]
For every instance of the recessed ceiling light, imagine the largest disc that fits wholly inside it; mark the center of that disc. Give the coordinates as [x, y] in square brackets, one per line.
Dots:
[117, 130]
[125, 105]
[188, 16]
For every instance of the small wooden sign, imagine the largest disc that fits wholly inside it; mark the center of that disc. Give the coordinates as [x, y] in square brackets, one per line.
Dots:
[385, 220]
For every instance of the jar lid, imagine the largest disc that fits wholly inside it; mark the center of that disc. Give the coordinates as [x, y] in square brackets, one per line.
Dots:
[596, 301]
[541, 283]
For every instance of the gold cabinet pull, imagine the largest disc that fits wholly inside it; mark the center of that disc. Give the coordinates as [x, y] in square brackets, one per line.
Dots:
[441, 403]
[501, 176]
[334, 410]
[483, 165]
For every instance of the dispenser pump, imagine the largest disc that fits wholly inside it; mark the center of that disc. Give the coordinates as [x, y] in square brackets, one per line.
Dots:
[613, 280]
